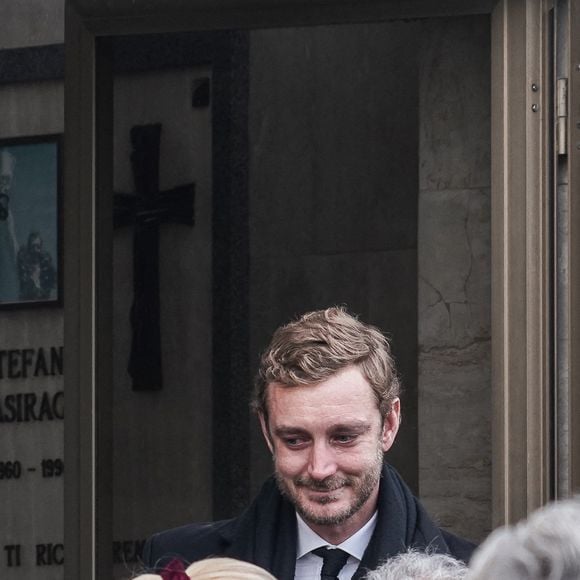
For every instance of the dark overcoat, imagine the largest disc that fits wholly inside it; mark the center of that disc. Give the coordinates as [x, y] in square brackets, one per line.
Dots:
[265, 533]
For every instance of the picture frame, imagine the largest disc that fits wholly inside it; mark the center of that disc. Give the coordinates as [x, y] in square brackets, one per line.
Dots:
[30, 221]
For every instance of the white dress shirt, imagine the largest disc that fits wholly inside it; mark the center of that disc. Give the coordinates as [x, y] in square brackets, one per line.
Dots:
[309, 566]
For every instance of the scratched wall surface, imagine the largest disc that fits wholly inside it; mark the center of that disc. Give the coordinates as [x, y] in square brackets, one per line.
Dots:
[454, 275]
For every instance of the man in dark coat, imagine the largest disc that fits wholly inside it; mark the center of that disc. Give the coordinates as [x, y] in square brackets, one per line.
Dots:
[36, 270]
[327, 396]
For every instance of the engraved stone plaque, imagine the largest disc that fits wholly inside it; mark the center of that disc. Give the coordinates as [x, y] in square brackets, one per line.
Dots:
[31, 445]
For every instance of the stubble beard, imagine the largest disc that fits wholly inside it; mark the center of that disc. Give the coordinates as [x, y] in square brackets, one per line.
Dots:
[363, 487]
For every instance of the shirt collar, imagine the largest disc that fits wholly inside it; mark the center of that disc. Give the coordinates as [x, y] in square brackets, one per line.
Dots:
[356, 545]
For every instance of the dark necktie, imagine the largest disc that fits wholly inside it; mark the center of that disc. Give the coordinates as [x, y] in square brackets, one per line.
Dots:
[333, 560]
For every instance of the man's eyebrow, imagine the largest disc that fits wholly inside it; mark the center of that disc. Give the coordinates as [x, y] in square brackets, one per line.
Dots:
[357, 427]
[285, 430]
[353, 426]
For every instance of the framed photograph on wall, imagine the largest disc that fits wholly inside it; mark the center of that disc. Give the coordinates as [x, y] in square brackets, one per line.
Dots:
[30, 194]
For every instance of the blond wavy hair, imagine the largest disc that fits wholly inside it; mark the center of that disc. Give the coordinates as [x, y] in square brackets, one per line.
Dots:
[320, 344]
[219, 569]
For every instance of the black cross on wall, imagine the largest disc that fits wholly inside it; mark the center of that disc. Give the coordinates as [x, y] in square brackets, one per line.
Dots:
[147, 209]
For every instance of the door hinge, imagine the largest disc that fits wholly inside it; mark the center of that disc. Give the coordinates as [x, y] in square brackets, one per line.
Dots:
[561, 115]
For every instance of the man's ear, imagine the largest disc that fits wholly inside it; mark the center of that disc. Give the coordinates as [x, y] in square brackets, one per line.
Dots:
[266, 431]
[391, 425]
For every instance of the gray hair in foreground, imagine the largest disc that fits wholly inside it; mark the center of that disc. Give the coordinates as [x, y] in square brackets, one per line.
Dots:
[416, 565]
[545, 547]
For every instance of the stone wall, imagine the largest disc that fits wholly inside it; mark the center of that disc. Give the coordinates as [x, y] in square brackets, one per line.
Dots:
[31, 23]
[326, 228]
[454, 274]
[31, 512]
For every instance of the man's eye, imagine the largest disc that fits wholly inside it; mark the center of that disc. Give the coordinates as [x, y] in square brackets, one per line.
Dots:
[293, 441]
[344, 438]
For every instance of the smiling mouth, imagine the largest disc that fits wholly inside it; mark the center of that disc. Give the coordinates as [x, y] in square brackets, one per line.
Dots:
[324, 486]
[316, 491]
[323, 497]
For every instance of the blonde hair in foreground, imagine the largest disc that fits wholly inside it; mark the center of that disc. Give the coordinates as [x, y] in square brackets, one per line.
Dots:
[220, 569]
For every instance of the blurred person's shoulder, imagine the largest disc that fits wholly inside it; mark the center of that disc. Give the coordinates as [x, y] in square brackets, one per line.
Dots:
[189, 543]
[460, 548]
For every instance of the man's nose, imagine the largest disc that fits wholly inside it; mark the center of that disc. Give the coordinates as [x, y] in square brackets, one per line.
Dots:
[322, 462]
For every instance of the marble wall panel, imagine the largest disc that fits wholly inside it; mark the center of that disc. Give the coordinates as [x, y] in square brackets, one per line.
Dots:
[455, 104]
[454, 267]
[42, 105]
[454, 402]
[333, 138]
[454, 255]
[31, 23]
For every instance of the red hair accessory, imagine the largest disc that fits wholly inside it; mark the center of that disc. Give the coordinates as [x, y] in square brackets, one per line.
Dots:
[175, 570]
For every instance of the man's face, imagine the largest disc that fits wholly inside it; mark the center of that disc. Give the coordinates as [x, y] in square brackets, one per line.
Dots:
[328, 442]
[35, 245]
